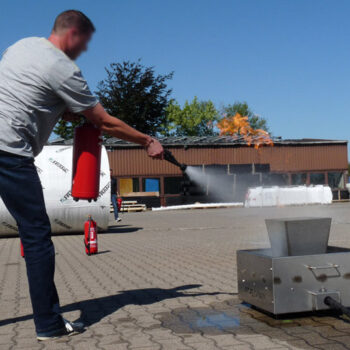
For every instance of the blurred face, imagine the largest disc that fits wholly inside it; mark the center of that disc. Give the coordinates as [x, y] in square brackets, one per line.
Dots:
[76, 42]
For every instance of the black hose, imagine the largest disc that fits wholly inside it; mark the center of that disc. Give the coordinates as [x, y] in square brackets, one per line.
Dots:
[333, 304]
[170, 158]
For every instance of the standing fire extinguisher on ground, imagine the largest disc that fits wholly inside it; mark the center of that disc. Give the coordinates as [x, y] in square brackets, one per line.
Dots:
[90, 239]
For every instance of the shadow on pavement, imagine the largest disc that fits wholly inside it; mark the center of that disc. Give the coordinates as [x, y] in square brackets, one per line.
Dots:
[93, 310]
[121, 229]
[102, 252]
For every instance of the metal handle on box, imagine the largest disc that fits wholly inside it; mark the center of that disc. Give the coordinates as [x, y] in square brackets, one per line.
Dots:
[335, 266]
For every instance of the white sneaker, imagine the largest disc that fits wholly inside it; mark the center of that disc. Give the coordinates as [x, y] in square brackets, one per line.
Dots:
[71, 328]
[118, 220]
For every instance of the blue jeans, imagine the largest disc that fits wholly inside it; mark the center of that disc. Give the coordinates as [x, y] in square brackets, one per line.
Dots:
[115, 205]
[21, 192]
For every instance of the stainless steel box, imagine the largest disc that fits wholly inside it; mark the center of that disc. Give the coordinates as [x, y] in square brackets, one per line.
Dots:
[299, 270]
[290, 284]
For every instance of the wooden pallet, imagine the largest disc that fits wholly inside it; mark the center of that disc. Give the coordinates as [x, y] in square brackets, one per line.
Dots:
[141, 194]
[134, 209]
[130, 206]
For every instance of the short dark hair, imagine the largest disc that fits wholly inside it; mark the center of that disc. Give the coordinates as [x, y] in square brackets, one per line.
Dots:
[73, 18]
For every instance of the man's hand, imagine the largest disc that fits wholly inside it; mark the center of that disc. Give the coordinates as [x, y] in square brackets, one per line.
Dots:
[70, 117]
[155, 149]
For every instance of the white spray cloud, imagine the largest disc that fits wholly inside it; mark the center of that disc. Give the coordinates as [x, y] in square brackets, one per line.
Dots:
[218, 185]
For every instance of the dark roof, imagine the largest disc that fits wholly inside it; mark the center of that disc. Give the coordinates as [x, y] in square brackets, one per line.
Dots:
[204, 141]
[60, 141]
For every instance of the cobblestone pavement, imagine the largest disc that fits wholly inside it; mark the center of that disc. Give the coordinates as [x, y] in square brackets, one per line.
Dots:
[166, 280]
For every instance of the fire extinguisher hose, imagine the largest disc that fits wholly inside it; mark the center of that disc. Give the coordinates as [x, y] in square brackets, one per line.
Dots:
[335, 305]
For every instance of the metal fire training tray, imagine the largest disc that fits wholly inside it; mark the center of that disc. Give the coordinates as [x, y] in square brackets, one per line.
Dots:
[291, 276]
[290, 284]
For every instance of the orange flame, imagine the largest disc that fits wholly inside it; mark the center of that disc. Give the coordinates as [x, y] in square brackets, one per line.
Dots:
[238, 126]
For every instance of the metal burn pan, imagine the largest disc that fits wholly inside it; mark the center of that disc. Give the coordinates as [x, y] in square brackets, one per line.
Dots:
[294, 282]
[282, 285]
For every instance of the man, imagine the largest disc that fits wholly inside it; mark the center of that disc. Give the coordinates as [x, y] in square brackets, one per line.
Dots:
[38, 82]
[114, 194]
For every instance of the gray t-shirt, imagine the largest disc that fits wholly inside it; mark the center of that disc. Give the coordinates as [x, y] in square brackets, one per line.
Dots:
[38, 82]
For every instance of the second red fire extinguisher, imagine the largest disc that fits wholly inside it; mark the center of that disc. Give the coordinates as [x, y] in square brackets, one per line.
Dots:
[86, 162]
[90, 238]
[119, 203]
[22, 250]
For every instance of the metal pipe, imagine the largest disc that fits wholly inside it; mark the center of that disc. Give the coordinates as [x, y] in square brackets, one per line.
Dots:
[335, 305]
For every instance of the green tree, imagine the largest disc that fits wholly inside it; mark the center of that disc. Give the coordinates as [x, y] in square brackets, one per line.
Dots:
[242, 108]
[132, 93]
[196, 118]
[65, 129]
[136, 95]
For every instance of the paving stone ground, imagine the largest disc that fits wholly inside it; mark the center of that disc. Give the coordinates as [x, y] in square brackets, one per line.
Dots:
[166, 280]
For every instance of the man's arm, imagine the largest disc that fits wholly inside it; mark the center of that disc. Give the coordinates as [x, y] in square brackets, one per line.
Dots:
[70, 117]
[117, 128]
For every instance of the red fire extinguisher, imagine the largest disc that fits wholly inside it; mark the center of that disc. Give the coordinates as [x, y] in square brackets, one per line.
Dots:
[86, 162]
[90, 240]
[119, 203]
[22, 250]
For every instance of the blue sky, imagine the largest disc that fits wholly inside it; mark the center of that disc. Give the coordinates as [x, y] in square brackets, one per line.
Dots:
[289, 59]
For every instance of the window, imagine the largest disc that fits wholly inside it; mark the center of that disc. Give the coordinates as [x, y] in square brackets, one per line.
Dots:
[247, 180]
[240, 168]
[215, 169]
[317, 178]
[274, 179]
[151, 184]
[129, 185]
[173, 185]
[135, 184]
[336, 180]
[299, 179]
[262, 168]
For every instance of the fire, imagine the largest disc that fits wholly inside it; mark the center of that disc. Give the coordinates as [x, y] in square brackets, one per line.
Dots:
[238, 126]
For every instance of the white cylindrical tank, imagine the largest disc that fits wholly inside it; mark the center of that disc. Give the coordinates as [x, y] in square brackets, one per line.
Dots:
[54, 166]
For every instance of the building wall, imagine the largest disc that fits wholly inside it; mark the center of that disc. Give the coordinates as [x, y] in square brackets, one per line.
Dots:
[285, 162]
[135, 162]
